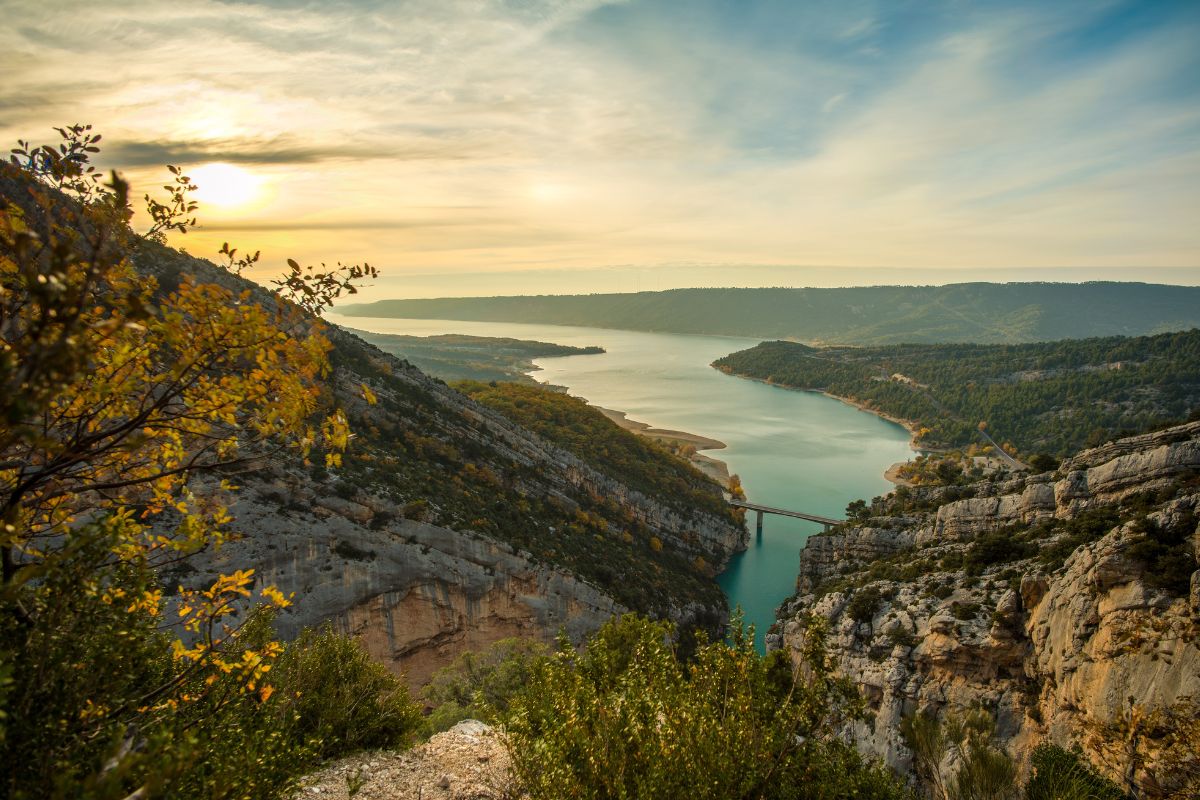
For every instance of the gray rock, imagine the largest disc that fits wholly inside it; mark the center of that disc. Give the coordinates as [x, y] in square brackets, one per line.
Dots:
[1051, 656]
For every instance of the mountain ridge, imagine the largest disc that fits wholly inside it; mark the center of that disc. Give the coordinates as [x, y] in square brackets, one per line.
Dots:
[965, 312]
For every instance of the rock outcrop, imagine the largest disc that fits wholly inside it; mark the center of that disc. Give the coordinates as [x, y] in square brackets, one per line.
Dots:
[1061, 602]
[416, 595]
[449, 526]
[467, 762]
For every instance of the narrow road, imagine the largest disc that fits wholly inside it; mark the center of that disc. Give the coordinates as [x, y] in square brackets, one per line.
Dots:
[1012, 462]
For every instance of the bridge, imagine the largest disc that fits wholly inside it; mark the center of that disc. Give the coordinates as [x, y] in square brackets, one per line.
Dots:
[825, 522]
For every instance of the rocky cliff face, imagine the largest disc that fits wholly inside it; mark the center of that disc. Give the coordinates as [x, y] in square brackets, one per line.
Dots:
[449, 526]
[1067, 603]
[417, 595]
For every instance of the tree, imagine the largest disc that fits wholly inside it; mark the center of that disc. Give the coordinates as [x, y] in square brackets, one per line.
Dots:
[982, 771]
[858, 511]
[118, 396]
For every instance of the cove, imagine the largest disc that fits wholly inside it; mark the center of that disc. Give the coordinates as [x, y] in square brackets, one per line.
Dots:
[795, 450]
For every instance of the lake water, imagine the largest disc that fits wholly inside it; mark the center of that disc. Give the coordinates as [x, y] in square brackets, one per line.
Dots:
[795, 450]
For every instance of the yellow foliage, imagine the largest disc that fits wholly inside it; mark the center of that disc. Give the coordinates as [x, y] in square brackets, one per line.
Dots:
[116, 393]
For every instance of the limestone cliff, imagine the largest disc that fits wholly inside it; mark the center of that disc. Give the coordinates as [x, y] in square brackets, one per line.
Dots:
[417, 595]
[450, 526]
[1067, 603]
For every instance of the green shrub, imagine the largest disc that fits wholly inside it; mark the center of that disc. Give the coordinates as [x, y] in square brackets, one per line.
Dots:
[1087, 526]
[482, 685]
[864, 604]
[982, 771]
[86, 681]
[1043, 462]
[995, 547]
[964, 611]
[336, 699]
[942, 591]
[1060, 774]
[626, 718]
[1165, 554]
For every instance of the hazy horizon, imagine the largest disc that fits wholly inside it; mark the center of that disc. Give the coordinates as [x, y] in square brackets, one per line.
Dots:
[630, 280]
[467, 147]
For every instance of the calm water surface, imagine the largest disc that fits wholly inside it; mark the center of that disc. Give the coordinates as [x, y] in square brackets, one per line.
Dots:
[795, 450]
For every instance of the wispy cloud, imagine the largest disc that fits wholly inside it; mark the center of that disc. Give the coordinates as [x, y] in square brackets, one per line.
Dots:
[585, 132]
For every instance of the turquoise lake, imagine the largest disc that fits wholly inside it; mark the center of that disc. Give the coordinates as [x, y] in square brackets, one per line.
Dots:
[794, 450]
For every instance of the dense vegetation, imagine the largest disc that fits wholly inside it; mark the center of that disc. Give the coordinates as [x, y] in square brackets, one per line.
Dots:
[628, 717]
[457, 357]
[642, 463]
[96, 699]
[426, 456]
[968, 312]
[1050, 397]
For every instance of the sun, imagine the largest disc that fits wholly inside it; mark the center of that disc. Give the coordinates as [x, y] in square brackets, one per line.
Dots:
[224, 185]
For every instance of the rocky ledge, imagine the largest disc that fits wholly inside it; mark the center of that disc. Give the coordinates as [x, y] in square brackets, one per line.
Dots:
[467, 762]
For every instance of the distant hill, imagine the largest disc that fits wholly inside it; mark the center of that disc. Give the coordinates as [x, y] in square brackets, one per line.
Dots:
[965, 312]
[1052, 397]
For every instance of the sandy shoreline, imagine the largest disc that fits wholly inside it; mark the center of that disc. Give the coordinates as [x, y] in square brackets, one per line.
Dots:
[714, 468]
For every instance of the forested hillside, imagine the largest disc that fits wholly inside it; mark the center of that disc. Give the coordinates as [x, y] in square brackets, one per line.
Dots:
[967, 312]
[1052, 397]
[570, 422]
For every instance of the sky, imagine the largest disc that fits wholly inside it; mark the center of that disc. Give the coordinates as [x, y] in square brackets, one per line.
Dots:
[466, 147]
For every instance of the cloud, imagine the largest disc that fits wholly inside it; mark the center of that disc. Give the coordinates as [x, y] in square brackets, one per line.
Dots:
[270, 226]
[465, 134]
[279, 150]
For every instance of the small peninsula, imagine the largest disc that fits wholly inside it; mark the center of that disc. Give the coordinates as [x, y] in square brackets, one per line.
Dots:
[681, 443]
[458, 357]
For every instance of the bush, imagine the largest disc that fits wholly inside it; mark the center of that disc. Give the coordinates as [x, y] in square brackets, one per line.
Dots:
[1165, 554]
[1059, 774]
[995, 547]
[964, 611]
[482, 685]
[1087, 526]
[982, 771]
[87, 679]
[1043, 462]
[626, 718]
[864, 604]
[339, 699]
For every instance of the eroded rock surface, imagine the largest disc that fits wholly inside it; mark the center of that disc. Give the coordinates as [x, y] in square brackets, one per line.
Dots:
[448, 526]
[1034, 597]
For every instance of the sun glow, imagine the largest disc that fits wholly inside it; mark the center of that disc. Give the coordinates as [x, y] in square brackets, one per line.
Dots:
[224, 185]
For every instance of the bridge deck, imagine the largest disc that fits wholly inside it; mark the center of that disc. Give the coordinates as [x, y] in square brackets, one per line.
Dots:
[783, 512]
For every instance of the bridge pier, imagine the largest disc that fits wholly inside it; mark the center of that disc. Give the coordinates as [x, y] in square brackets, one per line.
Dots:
[758, 524]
